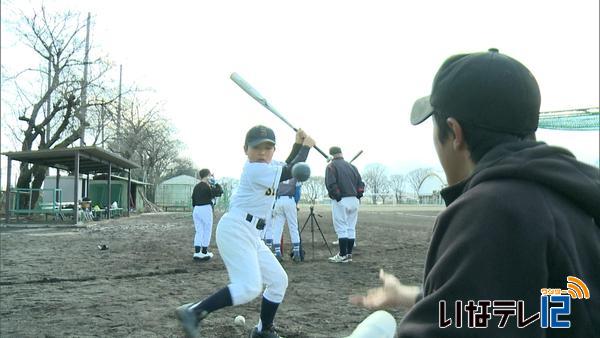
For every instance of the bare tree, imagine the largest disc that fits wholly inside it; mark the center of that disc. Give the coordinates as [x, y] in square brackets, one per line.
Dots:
[135, 126]
[416, 178]
[158, 153]
[140, 134]
[58, 40]
[375, 178]
[385, 189]
[181, 166]
[397, 185]
[313, 189]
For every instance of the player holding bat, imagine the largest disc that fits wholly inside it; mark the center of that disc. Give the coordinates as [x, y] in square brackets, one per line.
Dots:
[249, 262]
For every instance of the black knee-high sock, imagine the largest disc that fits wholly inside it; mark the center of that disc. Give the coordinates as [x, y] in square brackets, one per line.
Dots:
[267, 312]
[204, 249]
[350, 245]
[218, 300]
[197, 249]
[343, 243]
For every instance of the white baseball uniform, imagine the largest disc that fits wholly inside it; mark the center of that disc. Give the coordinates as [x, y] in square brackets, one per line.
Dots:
[285, 209]
[249, 262]
[345, 216]
[203, 219]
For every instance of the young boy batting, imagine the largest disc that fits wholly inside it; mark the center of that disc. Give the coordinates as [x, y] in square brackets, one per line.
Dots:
[249, 262]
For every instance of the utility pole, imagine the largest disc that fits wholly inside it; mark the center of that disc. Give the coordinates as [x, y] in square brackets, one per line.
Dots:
[102, 122]
[83, 107]
[48, 109]
[119, 110]
[48, 101]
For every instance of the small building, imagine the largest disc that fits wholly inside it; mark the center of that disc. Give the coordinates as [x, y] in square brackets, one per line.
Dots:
[66, 185]
[176, 193]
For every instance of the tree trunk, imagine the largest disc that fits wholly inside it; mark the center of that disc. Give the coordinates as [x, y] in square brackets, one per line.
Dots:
[24, 182]
[39, 174]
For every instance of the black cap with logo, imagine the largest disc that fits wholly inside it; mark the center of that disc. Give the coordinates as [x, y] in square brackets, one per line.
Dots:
[259, 134]
[489, 90]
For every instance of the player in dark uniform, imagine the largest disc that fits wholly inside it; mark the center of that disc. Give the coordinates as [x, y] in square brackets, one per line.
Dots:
[203, 201]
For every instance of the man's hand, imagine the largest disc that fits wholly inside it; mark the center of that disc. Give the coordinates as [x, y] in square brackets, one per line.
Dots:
[308, 141]
[391, 295]
[300, 136]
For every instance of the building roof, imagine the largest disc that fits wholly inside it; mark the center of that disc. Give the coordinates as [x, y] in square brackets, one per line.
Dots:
[181, 179]
[104, 177]
[91, 159]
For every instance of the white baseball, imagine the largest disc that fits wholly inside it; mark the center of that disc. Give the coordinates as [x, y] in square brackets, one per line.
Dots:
[240, 320]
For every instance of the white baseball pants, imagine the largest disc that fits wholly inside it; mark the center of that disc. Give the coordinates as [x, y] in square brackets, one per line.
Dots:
[285, 209]
[249, 262]
[203, 221]
[345, 216]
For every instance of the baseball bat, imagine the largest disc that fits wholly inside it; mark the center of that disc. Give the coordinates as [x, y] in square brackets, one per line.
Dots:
[356, 156]
[235, 77]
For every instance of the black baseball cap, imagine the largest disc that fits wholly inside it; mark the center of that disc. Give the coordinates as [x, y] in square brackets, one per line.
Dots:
[489, 90]
[335, 150]
[259, 134]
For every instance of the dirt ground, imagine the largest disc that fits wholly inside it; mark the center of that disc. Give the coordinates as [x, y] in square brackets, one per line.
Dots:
[55, 282]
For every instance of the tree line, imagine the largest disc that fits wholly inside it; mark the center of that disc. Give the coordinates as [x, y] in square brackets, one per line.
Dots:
[50, 105]
[380, 186]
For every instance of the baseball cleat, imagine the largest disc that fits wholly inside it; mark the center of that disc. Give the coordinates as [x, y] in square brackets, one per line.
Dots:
[265, 333]
[338, 259]
[203, 256]
[189, 320]
[347, 258]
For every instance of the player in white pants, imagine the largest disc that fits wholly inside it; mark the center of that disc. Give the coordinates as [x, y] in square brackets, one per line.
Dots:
[345, 187]
[285, 210]
[203, 197]
[345, 215]
[250, 264]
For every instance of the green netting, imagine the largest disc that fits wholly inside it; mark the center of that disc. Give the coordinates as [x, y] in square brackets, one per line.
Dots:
[98, 193]
[576, 119]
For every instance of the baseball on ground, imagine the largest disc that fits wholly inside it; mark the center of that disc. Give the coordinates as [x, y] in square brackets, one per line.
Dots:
[239, 320]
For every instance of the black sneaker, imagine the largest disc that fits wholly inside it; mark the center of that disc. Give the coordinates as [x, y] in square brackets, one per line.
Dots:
[189, 320]
[265, 333]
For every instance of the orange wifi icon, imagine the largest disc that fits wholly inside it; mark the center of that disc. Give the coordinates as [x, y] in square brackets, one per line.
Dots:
[577, 288]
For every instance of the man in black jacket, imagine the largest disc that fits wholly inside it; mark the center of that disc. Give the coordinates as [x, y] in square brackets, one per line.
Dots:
[345, 187]
[522, 218]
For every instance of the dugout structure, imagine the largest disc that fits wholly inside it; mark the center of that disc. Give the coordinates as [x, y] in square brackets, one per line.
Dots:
[76, 160]
[99, 190]
[176, 193]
